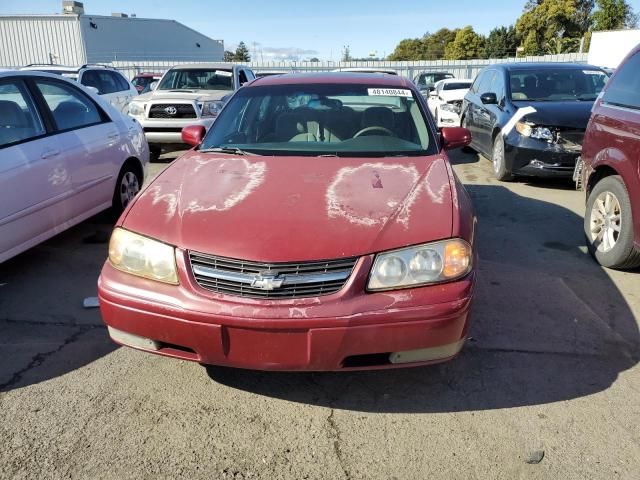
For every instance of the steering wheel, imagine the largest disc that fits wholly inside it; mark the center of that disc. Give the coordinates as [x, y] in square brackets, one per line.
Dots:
[386, 131]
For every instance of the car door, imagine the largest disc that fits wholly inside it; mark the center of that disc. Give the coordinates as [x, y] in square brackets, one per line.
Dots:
[126, 91]
[472, 110]
[89, 139]
[35, 179]
[484, 115]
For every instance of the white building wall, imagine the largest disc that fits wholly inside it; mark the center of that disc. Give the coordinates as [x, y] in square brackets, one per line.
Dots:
[40, 39]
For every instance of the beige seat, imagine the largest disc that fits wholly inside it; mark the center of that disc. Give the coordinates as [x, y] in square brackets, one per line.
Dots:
[296, 126]
[378, 117]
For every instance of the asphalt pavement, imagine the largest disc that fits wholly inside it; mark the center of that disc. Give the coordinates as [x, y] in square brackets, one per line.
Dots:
[548, 385]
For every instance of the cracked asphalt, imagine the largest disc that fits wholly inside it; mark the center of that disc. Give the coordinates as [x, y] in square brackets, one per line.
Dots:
[551, 366]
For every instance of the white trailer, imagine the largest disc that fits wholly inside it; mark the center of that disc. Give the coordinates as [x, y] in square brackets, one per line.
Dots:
[608, 49]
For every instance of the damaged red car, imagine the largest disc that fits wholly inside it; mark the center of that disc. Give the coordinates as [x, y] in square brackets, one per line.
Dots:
[317, 226]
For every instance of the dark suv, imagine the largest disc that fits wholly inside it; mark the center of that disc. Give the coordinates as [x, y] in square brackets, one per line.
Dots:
[530, 118]
[611, 171]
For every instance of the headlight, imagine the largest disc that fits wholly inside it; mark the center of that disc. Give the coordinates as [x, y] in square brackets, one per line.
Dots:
[421, 265]
[528, 130]
[211, 109]
[136, 109]
[141, 256]
[450, 108]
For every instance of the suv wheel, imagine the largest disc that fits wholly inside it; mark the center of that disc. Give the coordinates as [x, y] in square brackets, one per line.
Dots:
[127, 187]
[608, 225]
[497, 157]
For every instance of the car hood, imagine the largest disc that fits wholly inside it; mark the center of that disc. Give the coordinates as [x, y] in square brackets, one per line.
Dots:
[449, 95]
[559, 114]
[280, 209]
[175, 95]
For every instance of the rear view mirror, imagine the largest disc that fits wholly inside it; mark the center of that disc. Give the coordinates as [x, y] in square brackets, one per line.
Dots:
[193, 135]
[153, 85]
[93, 89]
[455, 137]
[489, 98]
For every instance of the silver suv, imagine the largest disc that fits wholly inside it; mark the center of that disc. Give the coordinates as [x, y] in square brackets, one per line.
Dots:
[107, 82]
[191, 94]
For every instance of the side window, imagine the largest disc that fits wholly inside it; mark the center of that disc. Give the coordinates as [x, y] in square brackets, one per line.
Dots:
[108, 81]
[497, 86]
[19, 120]
[70, 108]
[242, 77]
[486, 82]
[624, 88]
[90, 78]
[250, 75]
[121, 82]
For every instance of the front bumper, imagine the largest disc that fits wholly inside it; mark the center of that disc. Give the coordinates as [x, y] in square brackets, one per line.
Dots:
[347, 330]
[531, 157]
[169, 130]
[448, 119]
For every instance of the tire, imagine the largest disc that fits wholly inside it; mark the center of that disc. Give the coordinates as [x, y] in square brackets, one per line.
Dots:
[154, 152]
[127, 187]
[608, 225]
[500, 170]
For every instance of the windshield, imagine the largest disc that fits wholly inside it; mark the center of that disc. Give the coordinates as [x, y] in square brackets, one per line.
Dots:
[553, 85]
[312, 120]
[197, 79]
[456, 86]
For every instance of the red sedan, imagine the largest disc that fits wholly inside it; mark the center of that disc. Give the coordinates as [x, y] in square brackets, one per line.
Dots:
[318, 225]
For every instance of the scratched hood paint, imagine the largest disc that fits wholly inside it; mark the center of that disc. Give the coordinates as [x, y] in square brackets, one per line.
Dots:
[295, 208]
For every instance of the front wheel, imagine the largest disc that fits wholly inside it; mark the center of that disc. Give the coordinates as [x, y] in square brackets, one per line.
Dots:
[465, 124]
[608, 225]
[127, 187]
[497, 157]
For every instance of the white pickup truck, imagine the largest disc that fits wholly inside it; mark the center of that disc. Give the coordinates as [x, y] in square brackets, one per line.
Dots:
[191, 94]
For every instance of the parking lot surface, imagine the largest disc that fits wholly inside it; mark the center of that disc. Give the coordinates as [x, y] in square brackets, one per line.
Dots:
[547, 387]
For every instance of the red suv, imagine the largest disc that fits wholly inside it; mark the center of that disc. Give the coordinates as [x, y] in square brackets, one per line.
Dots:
[611, 174]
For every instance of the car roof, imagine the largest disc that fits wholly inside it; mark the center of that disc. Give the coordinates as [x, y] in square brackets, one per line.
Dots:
[214, 65]
[538, 65]
[346, 78]
[389, 71]
[455, 80]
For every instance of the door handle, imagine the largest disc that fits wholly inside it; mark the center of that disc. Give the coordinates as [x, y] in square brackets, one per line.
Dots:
[49, 154]
[113, 136]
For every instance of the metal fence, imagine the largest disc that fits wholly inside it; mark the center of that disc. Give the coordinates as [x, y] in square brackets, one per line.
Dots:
[409, 69]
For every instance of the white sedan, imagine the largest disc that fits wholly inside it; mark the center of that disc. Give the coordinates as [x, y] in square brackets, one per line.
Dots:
[445, 101]
[65, 155]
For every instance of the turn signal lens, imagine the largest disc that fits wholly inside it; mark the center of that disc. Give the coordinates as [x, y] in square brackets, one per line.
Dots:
[457, 259]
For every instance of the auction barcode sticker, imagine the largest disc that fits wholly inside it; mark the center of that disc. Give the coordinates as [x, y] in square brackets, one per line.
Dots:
[390, 92]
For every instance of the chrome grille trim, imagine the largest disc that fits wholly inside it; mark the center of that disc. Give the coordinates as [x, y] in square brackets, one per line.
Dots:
[295, 280]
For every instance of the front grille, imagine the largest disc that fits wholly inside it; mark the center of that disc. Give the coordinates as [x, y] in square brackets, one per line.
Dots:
[298, 280]
[183, 110]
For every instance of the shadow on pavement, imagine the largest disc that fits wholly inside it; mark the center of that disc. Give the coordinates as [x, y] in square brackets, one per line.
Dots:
[44, 330]
[549, 325]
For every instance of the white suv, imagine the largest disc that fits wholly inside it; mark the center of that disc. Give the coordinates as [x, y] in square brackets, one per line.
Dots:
[191, 94]
[65, 155]
[106, 82]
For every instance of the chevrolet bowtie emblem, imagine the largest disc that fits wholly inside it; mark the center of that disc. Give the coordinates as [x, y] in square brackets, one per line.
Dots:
[267, 281]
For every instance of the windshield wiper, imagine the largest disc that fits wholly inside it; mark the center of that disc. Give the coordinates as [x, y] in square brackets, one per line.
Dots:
[229, 150]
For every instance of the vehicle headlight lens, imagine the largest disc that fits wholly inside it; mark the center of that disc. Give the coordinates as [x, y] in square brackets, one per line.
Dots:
[136, 109]
[211, 109]
[450, 108]
[421, 265]
[141, 256]
[540, 133]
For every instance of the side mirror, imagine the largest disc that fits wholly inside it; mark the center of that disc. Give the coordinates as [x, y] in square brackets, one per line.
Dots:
[433, 93]
[153, 85]
[193, 135]
[93, 89]
[455, 137]
[489, 98]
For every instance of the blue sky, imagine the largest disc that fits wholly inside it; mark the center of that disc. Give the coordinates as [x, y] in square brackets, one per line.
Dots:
[306, 29]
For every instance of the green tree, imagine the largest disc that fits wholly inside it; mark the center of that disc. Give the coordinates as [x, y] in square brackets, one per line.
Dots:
[314, 60]
[242, 53]
[467, 44]
[502, 42]
[613, 15]
[408, 49]
[562, 45]
[545, 20]
[228, 56]
[434, 45]
[346, 54]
